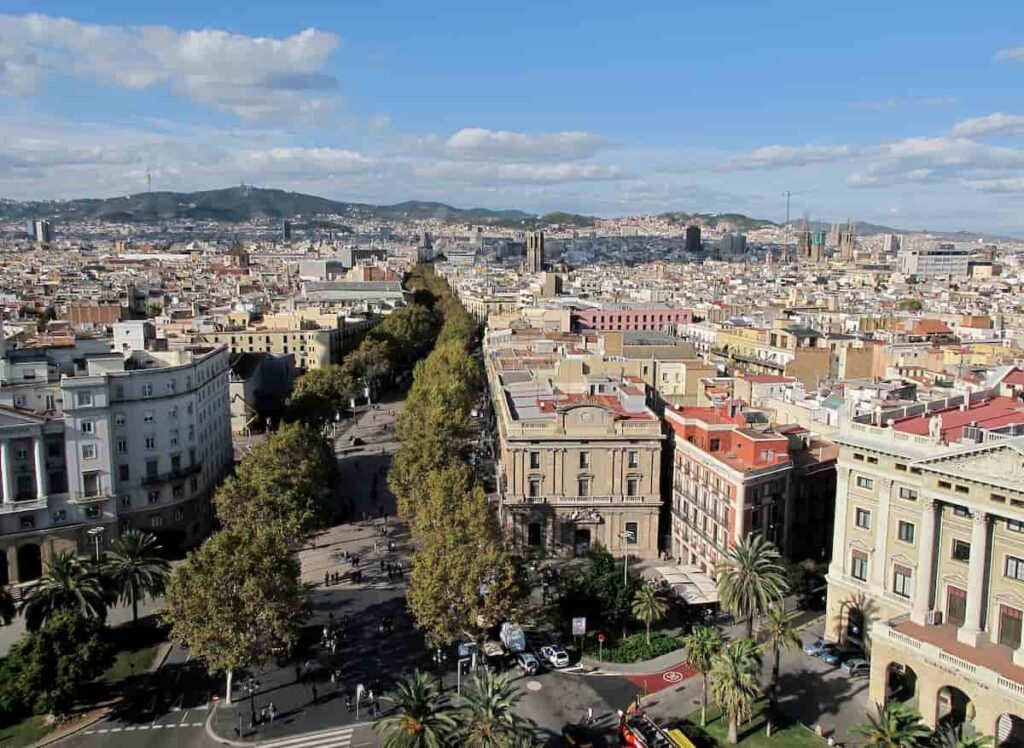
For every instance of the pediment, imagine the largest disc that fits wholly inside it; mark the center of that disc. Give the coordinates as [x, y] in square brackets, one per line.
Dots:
[10, 418]
[994, 464]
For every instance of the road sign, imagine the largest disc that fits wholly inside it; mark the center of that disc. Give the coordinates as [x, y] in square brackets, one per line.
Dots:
[600, 638]
[579, 626]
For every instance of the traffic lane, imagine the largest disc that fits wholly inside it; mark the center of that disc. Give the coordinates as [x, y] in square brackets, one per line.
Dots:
[185, 728]
[668, 678]
[550, 700]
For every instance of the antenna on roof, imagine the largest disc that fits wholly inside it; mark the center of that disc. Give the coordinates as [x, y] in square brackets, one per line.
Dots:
[149, 180]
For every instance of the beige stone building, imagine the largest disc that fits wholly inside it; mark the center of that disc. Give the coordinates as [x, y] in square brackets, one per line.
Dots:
[927, 570]
[579, 459]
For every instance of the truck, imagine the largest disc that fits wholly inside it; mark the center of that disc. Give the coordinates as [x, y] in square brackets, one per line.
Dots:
[513, 638]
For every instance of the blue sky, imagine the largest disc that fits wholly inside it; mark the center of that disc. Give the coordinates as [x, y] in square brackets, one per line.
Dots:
[908, 114]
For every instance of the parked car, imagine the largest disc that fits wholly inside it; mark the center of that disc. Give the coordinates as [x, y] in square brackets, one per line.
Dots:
[554, 655]
[857, 667]
[815, 648]
[528, 663]
[831, 654]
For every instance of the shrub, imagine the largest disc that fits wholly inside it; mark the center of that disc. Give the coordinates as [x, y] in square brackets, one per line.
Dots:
[634, 648]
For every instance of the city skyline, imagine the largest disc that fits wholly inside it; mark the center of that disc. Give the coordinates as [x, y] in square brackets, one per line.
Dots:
[908, 123]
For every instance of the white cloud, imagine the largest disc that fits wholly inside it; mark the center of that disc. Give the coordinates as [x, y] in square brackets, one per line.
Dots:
[780, 156]
[480, 173]
[992, 124]
[1012, 185]
[253, 77]
[475, 143]
[299, 161]
[920, 160]
[1015, 54]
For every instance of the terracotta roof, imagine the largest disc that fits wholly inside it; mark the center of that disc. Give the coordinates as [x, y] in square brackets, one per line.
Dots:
[992, 414]
[929, 327]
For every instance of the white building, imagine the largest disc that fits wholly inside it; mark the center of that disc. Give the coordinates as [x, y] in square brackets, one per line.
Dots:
[942, 261]
[121, 441]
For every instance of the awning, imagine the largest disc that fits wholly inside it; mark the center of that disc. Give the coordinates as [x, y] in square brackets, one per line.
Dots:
[696, 587]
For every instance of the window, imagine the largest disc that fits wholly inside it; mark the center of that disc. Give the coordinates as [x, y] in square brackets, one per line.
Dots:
[863, 482]
[27, 523]
[862, 518]
[119, 392]
[153, 497]
[119, 419]
[152, 468]
[174, 437]
[126, 502]
[173, 412]
[998, 498]
[148, 417]
[88, 451]
[945, 484]
[956, 606]
[22, 453]
[83, 399]
[901, 579]
[963, 489]
[92, 512]
[533, 534]
[60, 515]
[178, 491]
[179, 515]
[147, 390]
[872, 460]
[584, 460]
[150, 442]
[858, 457]
[534, 460]
[915, 471]
[632, 533]
[905, 531]
[901, 467]
[634, 459]
[88, 427]
[961, 550]
[1014, 568]
[53, 449]
[859, 565]
[534, 488]
[1009, 626]
[583, 486]
[123, 472]
[632, 486]
[910, 494]
[961, 511]
[1014, 526]
[156, 522]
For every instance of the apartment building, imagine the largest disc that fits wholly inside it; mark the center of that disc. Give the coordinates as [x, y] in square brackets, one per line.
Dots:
[734, 474]
[579, 456]
[927, 571]
[93, 439]
[632, 316]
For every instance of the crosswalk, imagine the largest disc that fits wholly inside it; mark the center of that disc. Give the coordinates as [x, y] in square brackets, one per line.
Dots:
[340, 737]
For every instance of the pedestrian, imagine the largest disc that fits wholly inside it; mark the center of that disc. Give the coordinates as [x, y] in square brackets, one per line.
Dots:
[316, 696]
[348, 702]
[327, 579]
[298, 671]
[376, 708]
[272, 712]
[382, 562]
[391, 546]
[590, 715]
[263, 715]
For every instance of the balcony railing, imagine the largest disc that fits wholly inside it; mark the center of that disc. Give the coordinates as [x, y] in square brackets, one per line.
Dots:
[184, 472]
[89, 497]
[11, 507]
[583, 499]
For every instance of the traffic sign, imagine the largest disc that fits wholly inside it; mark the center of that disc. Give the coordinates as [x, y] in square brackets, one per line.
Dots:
[600, 638]
[579, 626]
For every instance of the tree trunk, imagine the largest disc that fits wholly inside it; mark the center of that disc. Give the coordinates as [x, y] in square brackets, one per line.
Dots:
[135, 605]
[648, 633]
[227, 688]
[733, 731]
[750, 626]
[773, 692]
[704, 702]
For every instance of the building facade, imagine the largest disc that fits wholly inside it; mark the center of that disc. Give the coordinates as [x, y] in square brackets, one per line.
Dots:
[104, 440]
[631, 317]
[927, 570]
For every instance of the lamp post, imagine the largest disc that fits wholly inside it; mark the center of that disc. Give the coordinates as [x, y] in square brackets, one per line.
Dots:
[252, 686]
[96, 533]
[439, 660]
[627, 537]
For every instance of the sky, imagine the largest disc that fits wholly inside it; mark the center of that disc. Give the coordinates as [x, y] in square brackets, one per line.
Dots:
[906, 114]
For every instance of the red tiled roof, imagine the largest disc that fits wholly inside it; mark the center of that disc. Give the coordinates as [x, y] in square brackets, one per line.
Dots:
[1000, 411]
[1015, 377]
[929, 327]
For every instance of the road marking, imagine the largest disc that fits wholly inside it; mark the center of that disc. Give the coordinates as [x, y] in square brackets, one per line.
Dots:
[672, 676]
[534, 685]
[324, 739]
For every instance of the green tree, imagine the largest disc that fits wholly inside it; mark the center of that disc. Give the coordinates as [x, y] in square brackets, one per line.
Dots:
[948, 736]
[7, 607]
[135, 568]
[777, 632]
[751, 579]
[895, 726]
[735, 682]
[419, 719]
[320, 394]
[598, 591]
[488, 718]
[702, 647]
[46, 670]
[649, 606]
[237, 600]
[280, 485]
[371, 361]
[70, 583]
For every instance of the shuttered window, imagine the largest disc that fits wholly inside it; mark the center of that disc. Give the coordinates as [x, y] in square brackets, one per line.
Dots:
[1009, 626]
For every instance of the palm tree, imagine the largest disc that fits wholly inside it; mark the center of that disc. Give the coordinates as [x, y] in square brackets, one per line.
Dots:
[70, 583]
[946, 737]
[649, 606]
[896, 726]
[419, 720]
[777, 632]
[7, 607]
[736, 682]
[751, 579]
[488, 719]
[702, 647]
[135, 568]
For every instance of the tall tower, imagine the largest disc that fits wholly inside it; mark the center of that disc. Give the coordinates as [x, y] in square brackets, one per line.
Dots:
[692, 239]
[535, 251]
[847, 240]
[818, 247]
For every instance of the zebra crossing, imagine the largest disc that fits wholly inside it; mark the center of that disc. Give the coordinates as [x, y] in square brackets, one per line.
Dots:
[340, 737]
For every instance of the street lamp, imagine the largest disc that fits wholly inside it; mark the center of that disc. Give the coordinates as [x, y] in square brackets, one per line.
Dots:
[96, 533]
[439, 659]
[628, 536]
[252, 686]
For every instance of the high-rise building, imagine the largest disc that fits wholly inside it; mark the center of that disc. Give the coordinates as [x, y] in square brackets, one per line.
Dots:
[40, 231]
[847, 242]
[693, 239]
[535, 252]
[818, 246]
[890, 244]
[286, 230]
[732, 244]
[942, 261]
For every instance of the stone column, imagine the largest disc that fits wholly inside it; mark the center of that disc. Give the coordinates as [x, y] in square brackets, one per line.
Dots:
[40, 461]
[838, 565]
[925, 563]
[971, 631]
[8, 471]
[879, 562]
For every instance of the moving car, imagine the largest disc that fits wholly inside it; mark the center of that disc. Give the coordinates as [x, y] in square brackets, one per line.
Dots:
[857, 667]
[528, 663]
[554, 655]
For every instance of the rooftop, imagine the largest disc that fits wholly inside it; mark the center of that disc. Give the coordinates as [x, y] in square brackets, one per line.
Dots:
[989, 414]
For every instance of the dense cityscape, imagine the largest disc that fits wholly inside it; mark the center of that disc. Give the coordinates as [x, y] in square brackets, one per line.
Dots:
[353, 393]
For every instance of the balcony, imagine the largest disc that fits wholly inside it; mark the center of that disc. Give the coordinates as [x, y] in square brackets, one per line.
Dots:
[13, 507]
[90, 497]
[178, 474]
[990, 665]
[582, 500]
